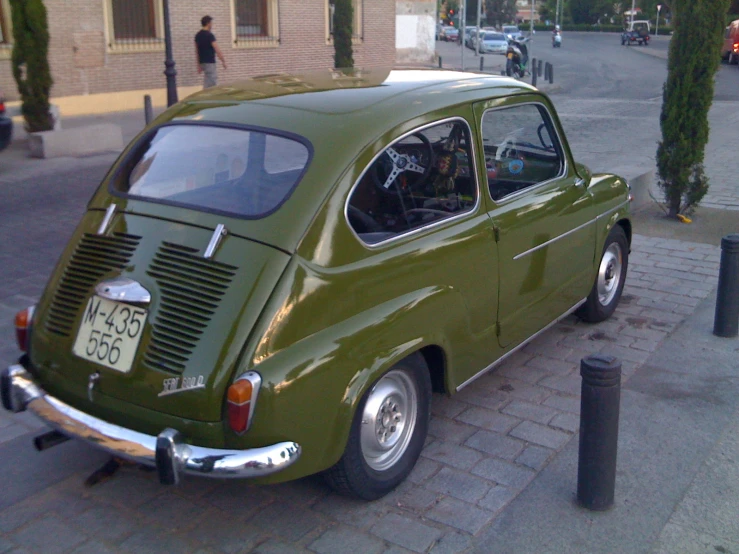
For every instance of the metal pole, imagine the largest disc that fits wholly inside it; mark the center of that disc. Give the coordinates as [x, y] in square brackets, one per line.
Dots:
[726, 322]
[531, 29]
[479, 17]
[633, 7]
[148, 110]
[599, 411]
[462, 19]
[556, 13]
[656, 31]
[170, 71]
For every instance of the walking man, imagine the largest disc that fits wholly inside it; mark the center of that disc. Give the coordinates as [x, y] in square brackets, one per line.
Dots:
[206, 50]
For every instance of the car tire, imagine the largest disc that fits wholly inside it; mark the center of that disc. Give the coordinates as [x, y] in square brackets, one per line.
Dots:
[609, 280]
[379, 455]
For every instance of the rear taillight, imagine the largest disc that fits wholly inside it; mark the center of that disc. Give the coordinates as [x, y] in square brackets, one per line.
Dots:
[736, 47]
[2, 107]
[241, 399]
[23, 321]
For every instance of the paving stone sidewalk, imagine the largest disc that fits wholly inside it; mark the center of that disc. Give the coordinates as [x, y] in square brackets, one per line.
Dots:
[485, 445]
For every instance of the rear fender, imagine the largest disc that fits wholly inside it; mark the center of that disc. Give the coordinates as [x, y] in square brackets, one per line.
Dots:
[311, 390]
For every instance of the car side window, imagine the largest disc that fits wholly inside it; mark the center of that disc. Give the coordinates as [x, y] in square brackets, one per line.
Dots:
[521, 149]
[420, 179]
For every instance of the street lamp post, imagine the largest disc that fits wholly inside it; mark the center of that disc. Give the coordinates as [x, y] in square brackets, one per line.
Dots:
[659, 8]
[556, 13]
[633, 7]
[169, 71]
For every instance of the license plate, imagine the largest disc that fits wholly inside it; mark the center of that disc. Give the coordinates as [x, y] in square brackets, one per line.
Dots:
[510, 56]
[110, 333]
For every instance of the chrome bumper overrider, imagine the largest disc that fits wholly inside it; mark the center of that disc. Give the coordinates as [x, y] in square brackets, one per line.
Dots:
[167, 451]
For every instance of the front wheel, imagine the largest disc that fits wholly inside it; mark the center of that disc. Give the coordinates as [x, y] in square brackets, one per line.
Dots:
[387, 434]
[609, 281]
[509, 67]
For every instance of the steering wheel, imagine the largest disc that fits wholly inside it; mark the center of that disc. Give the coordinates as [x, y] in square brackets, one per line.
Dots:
[391, 163]
[541, 137]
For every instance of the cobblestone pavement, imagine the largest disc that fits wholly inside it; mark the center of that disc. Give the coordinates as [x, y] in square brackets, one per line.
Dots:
[485, 445]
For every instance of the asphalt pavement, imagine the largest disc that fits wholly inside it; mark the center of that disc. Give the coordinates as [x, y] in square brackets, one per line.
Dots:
[498, 473]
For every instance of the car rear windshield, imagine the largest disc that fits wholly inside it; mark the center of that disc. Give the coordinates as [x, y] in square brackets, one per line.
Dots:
[242, 172]
[494, 36]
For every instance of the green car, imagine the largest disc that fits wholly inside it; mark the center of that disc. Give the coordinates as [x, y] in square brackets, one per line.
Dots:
[274, 277]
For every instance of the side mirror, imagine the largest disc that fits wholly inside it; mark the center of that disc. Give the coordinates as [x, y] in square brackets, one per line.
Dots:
[584, 174]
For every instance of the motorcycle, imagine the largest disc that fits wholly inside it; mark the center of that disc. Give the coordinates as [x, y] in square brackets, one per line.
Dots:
[557, 40]
[517, 56]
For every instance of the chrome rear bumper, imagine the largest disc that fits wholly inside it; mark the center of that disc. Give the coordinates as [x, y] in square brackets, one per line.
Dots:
[167, 451]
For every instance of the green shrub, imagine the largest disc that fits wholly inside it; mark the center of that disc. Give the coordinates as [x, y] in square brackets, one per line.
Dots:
[687, 97]
[30, 61]
[343, 17]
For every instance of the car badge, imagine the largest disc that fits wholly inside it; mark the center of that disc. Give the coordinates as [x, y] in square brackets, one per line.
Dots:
[91, 382]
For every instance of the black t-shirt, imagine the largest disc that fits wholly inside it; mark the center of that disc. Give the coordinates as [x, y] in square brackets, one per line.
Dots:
[204, 40]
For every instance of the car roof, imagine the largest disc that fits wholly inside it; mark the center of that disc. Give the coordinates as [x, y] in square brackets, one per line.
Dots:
[378, 98]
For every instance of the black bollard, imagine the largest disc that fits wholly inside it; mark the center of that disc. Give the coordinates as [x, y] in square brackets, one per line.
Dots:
[538, 69]
[599, 410]
[546, 71]
[148, 110]
[726, 321]
[482, 61]
[533, 75]
[439, 62]
[551, 74]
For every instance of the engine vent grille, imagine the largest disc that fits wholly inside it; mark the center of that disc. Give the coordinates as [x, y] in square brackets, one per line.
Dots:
[93, 257]
[190, 288]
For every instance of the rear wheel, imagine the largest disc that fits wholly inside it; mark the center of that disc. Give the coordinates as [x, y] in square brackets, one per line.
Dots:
[387, 434]
[609, 281]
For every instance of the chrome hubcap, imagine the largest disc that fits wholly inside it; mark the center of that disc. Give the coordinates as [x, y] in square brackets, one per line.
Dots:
[609, 274]
[388, 420]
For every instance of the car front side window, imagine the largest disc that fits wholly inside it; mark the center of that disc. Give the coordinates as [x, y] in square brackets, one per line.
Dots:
[422, 178]
[521, 149]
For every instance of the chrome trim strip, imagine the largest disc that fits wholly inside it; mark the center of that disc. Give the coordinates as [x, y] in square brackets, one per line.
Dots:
[425, 227]
[122, 289]
[106, 220]
[555, 239]
[520, 346]
[565, 168]
[609, 212]
[21, 392]
[215, 239]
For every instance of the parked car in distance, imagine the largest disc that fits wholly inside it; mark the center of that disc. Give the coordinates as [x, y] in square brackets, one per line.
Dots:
[449, 34]
[272, 279]
[493, 43]
[469, 31]
[6, 125]
[637, 32]
[730, 47]
[512, 32]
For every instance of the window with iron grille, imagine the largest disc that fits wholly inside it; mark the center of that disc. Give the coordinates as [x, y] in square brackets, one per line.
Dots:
[256, 22]
[134, 24]
[357, 22]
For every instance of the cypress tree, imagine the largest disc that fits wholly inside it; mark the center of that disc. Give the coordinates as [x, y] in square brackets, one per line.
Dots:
[343, 18]
[30, 60]
[694, 57]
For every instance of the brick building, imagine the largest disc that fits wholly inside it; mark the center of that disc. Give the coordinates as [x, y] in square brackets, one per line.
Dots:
[100, 46]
